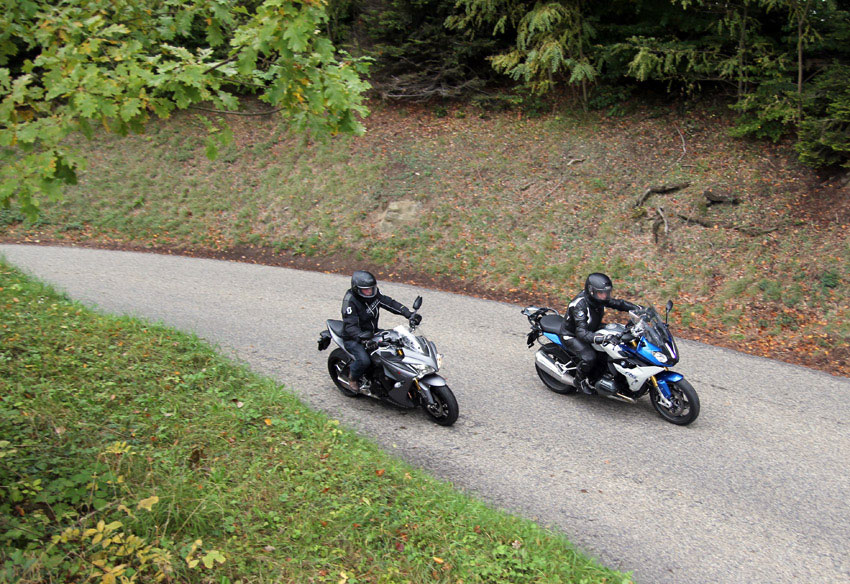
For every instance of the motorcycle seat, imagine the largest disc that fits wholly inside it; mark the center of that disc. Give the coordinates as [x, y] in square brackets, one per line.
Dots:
[336, 327]
[551, 323]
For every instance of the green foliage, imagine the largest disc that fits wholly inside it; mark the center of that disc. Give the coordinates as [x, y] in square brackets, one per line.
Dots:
[552, 41]
[770, 54]
[68, 67]
[825, 128]
[768, 112]
[611, 98]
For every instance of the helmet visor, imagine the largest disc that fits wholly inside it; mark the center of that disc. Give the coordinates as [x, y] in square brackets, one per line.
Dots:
[367, 292]
[601, 294]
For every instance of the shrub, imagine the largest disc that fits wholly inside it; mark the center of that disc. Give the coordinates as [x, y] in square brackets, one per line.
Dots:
[825, 129]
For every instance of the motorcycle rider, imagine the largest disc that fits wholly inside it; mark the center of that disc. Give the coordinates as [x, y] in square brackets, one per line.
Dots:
[583, 319]
[360, 307]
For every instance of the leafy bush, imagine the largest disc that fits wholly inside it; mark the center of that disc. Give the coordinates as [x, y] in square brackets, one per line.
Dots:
[10, 217]
[768, 113]
[825, 129]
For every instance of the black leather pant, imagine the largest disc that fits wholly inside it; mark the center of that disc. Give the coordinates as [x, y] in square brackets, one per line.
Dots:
[588, 358]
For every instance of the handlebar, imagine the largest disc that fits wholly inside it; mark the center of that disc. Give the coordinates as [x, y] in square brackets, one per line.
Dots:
[384, 339]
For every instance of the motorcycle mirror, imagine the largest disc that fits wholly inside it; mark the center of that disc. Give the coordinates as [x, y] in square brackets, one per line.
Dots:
[417, 303]
[669, 307]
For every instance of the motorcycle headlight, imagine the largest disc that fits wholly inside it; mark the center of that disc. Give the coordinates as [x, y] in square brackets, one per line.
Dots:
[421, 367]
[659, 356]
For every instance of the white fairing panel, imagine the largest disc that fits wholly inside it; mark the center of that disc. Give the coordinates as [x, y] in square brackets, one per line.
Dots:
[637, 376]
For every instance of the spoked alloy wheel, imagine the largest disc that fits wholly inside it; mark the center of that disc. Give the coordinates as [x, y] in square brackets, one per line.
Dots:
[338, 363]
[684, 403]
[546, 377]
[445, 410]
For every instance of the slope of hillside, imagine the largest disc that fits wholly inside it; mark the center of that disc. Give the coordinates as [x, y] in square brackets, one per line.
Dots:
[751, 247]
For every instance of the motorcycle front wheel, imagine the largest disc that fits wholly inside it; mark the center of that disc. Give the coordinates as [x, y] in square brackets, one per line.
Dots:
[338, 363]
[445, 410]
[684, 403]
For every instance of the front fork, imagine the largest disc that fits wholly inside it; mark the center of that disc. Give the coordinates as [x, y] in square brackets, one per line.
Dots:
[427, 382]
[663, 392]
[425, 392]
[660, 381]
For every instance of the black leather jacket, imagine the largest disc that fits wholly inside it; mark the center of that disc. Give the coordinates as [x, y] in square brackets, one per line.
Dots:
[360, 315]
[584, 317]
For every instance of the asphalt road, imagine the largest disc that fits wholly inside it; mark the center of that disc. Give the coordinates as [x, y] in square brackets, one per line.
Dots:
[756, 490]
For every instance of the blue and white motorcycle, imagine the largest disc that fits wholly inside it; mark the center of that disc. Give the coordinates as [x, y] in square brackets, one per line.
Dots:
[638, 357]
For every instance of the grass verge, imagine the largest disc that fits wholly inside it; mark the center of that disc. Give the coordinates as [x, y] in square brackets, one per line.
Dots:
[130, 452]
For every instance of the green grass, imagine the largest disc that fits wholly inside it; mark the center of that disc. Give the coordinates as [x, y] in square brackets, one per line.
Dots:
[128, 449]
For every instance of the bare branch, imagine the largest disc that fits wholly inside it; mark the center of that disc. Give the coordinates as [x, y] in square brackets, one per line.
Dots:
[684, 148]
[662, 189]
[746, 230]
[227, 113]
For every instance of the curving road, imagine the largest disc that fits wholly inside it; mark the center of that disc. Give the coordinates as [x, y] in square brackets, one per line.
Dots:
[756, 490]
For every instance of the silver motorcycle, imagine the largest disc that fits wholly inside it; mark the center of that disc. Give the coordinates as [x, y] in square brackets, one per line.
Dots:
[403, 372]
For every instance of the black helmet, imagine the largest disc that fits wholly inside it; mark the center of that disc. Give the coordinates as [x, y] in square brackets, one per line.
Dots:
[598, 287]
[364, 284]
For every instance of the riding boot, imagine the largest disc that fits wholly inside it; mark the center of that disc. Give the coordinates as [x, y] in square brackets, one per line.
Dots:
[354, 385]
[583, 384]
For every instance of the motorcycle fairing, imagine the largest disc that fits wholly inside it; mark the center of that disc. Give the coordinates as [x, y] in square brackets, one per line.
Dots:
[554, 338]
[432, 380]
[644, 351]
[637, 376]
[666, 377]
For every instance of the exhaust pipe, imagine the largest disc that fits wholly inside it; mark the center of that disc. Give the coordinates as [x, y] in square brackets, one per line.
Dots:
[546, 362]
[622, 398]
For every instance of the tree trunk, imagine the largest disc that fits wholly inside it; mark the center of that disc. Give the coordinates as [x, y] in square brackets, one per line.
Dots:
[802, 18]
[742, 42]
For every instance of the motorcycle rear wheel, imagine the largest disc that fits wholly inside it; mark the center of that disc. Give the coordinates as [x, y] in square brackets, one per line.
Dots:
[338, 364]
[445, 411]
[548, 380]
[685, 403]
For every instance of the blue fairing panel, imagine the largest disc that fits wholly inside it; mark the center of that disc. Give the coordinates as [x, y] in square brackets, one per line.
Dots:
[553, 338]
[670, 376]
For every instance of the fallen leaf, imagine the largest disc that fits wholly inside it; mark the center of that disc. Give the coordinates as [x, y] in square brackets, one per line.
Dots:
[148, 503]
